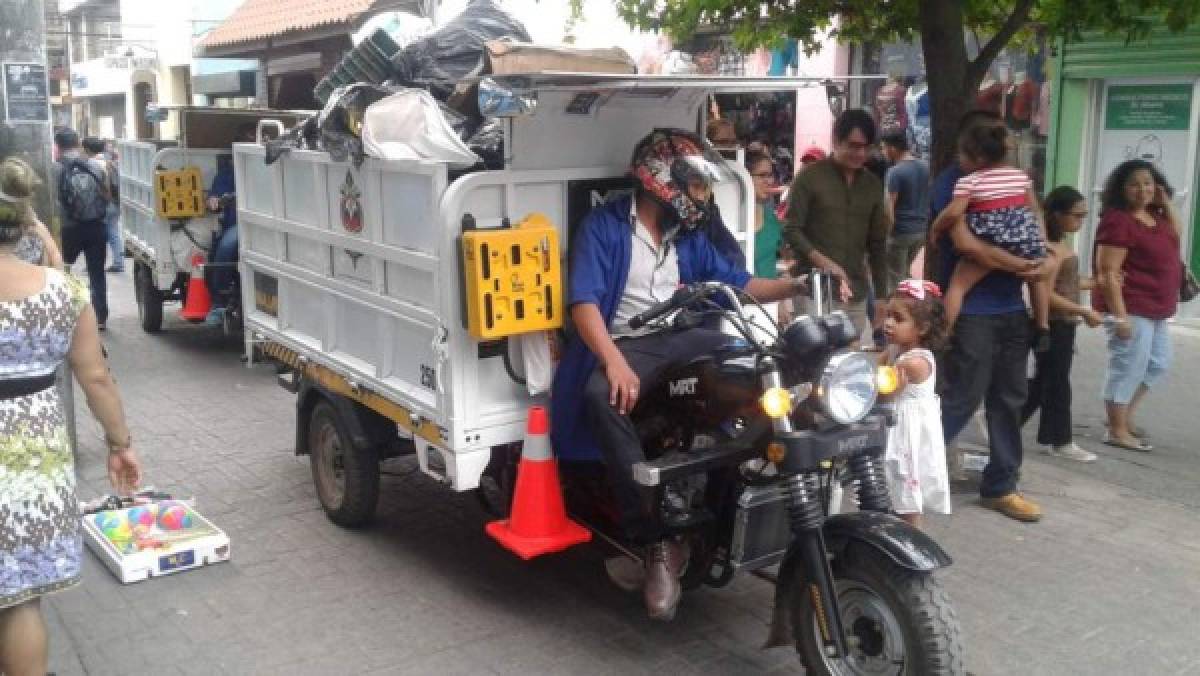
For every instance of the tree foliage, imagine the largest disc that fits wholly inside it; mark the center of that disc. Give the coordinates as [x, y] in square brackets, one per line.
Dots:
[940, 24]
[755, 23]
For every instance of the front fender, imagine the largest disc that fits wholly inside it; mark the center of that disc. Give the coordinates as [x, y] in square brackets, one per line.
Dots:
[907, 546]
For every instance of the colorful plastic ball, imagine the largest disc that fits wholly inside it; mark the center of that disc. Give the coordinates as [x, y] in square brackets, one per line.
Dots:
[114, 525]
[142, 515]
[175, 517]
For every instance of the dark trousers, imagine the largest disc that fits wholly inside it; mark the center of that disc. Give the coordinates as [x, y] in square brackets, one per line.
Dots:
[1050, 389]
[225, 255]
[649, 357]
[90, 239]
[986, 364]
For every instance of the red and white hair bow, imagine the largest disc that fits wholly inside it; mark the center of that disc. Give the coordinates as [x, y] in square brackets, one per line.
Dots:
[917, 289]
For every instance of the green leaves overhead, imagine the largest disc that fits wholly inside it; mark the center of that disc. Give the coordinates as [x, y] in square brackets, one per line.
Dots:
[755, 23]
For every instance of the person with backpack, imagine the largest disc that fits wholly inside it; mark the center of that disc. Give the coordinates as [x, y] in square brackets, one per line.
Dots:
[97, 153]
[83, 200]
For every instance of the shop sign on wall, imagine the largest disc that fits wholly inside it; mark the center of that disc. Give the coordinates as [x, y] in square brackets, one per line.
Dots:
[26, 95]
[1161, 107]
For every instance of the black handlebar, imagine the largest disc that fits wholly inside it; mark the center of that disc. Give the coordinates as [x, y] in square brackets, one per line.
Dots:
[685, 295]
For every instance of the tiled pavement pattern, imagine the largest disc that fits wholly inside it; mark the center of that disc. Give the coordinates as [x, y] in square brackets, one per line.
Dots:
[1108, 583]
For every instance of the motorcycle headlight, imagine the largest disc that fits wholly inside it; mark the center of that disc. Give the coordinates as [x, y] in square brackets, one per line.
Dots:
[887, 380]
[848, 388]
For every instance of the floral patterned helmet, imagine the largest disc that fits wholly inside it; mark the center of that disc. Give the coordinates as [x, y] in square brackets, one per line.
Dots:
[666, 161]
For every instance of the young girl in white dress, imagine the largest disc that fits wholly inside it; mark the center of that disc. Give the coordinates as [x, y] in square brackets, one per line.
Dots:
[915, 461]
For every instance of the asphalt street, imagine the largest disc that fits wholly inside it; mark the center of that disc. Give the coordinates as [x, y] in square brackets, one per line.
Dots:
[1107, 583]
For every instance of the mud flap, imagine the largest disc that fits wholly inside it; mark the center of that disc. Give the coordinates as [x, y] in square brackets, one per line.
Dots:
[907, 546]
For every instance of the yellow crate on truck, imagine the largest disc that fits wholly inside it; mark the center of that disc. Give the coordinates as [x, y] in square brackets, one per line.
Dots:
[179, 193]
[513, 279]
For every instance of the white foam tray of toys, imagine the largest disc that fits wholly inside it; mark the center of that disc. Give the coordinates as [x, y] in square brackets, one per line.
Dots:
[153, 539]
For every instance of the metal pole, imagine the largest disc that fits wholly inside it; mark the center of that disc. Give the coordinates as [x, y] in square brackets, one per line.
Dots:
[25, 122]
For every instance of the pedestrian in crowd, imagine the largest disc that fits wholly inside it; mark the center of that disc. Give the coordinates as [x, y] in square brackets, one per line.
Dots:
[915, 462]
[811, 154]
[98, 152]
[83, 200]
[1138, 273]
[989, 347]
[996, 203]
[907, 185]
[1050, 389]
[767, 229]
[36, 245]
[45, 319]
[836, 218]
[721, 133]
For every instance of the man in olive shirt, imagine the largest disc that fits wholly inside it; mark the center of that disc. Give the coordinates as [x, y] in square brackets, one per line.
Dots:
[837, 220]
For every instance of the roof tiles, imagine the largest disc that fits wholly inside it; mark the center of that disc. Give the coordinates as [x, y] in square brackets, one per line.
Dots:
[258, 19]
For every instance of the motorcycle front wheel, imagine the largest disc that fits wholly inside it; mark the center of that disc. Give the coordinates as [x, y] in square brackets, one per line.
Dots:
[898, 622]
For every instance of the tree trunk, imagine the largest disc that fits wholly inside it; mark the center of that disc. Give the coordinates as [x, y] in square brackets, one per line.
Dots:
[943, 43]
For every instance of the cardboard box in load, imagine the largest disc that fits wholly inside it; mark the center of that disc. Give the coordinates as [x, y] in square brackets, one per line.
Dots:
[508, 58]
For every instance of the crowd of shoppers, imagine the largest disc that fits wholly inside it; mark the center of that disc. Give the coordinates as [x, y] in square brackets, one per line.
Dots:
[835, 221]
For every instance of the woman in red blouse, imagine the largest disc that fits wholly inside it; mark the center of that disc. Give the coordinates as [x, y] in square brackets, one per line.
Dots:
[1138, 274]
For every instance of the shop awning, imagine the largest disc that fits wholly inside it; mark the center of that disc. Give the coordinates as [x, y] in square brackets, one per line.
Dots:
[260, 20]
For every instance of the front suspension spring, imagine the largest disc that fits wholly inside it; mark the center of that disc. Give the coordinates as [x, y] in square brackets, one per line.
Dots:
[804, 502]
[867, 471]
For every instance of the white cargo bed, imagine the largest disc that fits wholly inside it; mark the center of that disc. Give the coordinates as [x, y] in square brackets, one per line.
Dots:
[382, 307]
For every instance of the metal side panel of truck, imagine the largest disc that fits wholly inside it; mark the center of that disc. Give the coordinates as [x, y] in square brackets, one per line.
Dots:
[357, 270]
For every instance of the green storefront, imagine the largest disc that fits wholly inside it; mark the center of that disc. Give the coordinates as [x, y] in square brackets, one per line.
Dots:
[1112, 101]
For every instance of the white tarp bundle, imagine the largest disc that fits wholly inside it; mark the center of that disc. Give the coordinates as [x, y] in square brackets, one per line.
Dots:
[409, 125]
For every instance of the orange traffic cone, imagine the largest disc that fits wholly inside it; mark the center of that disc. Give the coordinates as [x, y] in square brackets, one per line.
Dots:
[197, 302]
[538, 523]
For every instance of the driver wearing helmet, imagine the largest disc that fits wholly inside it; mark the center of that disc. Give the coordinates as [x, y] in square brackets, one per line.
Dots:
[626, 256]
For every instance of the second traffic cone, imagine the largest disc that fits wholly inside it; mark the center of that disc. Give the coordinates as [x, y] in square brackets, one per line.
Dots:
[538, 523]
[197, 301]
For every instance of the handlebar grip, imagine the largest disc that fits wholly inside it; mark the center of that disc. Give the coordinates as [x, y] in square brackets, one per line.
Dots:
[678, 299]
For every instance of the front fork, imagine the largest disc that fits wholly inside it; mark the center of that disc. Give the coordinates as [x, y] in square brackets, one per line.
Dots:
[806, 518]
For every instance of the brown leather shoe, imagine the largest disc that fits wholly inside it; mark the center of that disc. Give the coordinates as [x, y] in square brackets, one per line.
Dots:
[1015, 506]
[664, 562]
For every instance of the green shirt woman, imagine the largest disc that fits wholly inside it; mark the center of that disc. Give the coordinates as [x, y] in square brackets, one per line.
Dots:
[767, 229]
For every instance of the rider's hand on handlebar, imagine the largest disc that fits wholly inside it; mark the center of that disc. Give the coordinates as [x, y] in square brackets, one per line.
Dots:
[214, 204]
[623, 385]
[844, 290]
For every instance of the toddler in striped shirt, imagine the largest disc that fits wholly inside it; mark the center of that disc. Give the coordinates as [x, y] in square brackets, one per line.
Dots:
[997, 203]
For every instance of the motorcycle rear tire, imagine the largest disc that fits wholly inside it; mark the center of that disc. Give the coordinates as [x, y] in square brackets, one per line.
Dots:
[920, 613]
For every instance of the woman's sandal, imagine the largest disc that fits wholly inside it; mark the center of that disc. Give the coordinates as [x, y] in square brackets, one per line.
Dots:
[1140, 446]
[1139, 432]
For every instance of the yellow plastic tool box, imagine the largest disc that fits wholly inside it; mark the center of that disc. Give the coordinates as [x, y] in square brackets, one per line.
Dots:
[513, 279]
[179, 193]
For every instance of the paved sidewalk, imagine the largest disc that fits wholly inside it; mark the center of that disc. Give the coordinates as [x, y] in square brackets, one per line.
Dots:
[1106, 584]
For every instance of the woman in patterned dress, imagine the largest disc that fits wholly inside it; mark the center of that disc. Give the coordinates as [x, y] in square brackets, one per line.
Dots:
[45, 318]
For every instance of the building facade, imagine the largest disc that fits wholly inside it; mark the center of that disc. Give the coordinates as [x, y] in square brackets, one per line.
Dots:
[1115, 101]
[123, 55]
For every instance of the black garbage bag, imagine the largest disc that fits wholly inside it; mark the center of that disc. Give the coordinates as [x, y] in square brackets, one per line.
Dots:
[341, 120]
[488, 143]
[303, 135]
[439, 60]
